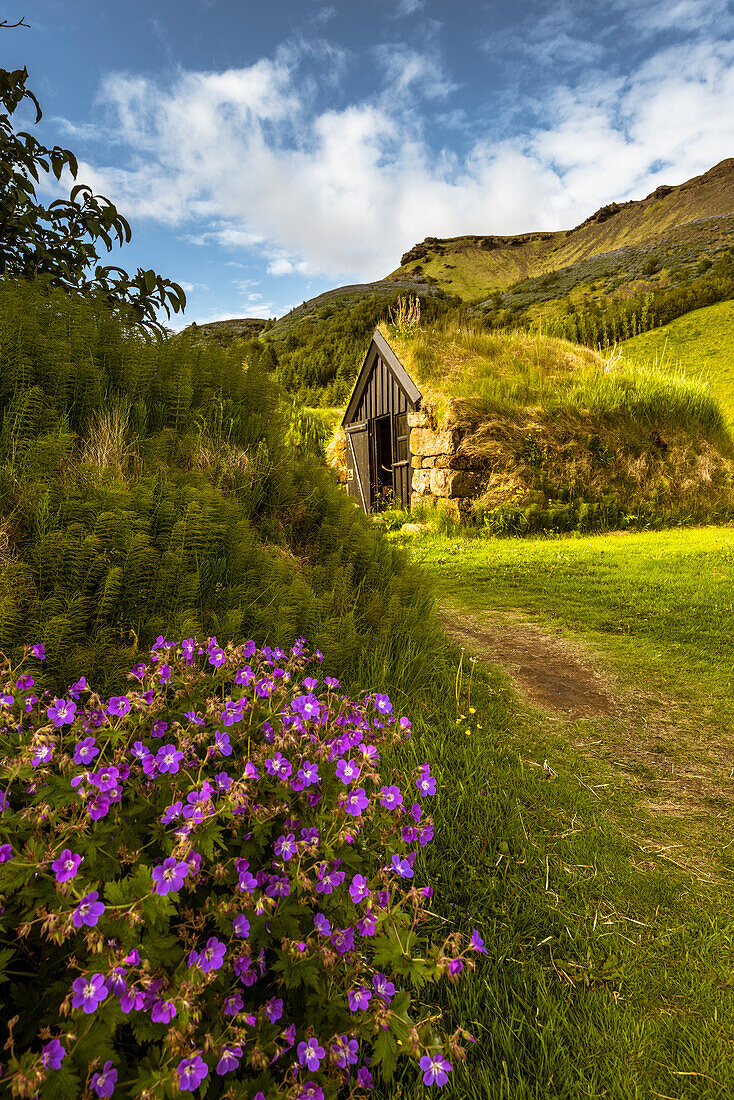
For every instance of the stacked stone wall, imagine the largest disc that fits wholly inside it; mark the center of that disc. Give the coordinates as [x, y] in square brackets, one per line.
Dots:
[440, 472]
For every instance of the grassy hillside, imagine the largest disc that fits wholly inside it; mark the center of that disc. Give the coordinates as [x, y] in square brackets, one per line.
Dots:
[564, 438]
[701, 344]
[474, 266]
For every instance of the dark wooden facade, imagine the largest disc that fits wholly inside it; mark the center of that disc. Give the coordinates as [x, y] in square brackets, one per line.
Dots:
[376, 425]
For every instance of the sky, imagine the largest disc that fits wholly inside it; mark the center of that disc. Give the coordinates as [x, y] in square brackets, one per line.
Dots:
[267, 151]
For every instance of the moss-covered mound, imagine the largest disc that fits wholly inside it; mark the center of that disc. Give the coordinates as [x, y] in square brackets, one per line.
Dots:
[545, 433]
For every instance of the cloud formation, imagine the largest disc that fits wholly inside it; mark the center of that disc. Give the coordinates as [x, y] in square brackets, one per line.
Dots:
[250, 159]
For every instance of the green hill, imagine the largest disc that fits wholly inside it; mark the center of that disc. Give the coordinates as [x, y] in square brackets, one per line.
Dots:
[700, 343]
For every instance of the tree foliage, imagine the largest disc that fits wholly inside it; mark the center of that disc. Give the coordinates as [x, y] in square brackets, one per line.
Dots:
[62, 240]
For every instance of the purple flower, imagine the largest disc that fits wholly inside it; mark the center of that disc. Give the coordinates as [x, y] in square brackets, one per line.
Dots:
[99, 807]
[172, 812]
[217, 657]
[164, 673]
[356, 802]
[212, 957]
[345, 1051]
[456, 966]
[401, 867]
[367, 925]
[308, 774]
[364, 1077]
[310, 1054]
[133, 957]
[359, 998]
[477, 943]
[6, 853]
[221, 741]
[425, 782]
[229, 1060]
[278, 765]
[232, 712]
[159, 728]
[168, 758]
[383, 988]
[390, 797]
[39, 652]
[241, 926]
[88, 912]
[52, 1054]
[76, 689]
[191, 1072]
[66, 866]
[416, 811]
[307, 706]
[24, 682]
[4, 802]
[42, 754]
[118, 705]
[343, 940]
[435, 1068]
[347, 771]
[169, 876]
[244, 676]
[133, 999]
[322, 925]
[89, 992]
[162, 1012]
[223, 781]
[383, 704]
[104, 1083]
[286, 846]
[358, 891]
[116, 981]
[310, 1091]
[106, 779]
[274, 1009]
[233, 1004]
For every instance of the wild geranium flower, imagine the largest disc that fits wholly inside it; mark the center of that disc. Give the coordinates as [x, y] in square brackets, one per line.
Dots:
[162, 1012]
[24, 682]
[191, 1072]
[52, 1054]
[212, 957]
[476, 943]
[278, 765]
[307, 706]
[343, 940]
[39, 652]
[425, 783]
[118, 706]
[367, 925]
[116, 981]
[244, 676]
[172, 812]
[250, 771]
[359, 999]
[364, 1077]
[229, 1060]
[76, 689]
[6, 853]
[310, 1054]
[105, 779]
[359, 890]
[345, 1051]
[390, 797]
[169, 876]
[6, 700]
[42, 753]
[435, 1069]
[274, 1009]
[88, 911]
[456, 966]
[310, 1091]
[241, 926]
[133, 1000]
[286, 846]
[347, 771]
[322, 925]
[4, 802]
[401, 867]
[217, 657]
[383, 988]
[104, 1083]
[168, 758]
[383, 704]
[89, 992]
[66, 866]
[221, 740]
[233, 1004]
[159, 728]
[356, 802]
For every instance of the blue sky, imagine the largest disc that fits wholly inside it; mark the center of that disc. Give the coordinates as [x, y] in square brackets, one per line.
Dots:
[265, 152]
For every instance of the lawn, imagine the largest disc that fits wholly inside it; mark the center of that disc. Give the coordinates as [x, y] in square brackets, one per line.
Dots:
[595, 853]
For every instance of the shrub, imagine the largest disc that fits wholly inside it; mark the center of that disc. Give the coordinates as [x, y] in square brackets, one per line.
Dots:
[207, 884]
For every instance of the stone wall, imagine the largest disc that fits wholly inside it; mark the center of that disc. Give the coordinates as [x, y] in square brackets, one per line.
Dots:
[440, 472]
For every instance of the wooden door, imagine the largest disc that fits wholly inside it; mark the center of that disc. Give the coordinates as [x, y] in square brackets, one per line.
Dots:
[358, 465]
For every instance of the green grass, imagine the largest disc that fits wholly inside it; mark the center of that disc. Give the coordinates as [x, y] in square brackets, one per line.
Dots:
[700, 343]
[608, 972]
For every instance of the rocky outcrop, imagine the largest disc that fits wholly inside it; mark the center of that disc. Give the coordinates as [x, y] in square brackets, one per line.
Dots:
[440, 471]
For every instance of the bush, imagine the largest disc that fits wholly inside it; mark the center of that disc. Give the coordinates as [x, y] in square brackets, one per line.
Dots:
[207, 884]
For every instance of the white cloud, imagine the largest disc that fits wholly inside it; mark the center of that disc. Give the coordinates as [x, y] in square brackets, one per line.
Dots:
[244, 159]
[404, 8]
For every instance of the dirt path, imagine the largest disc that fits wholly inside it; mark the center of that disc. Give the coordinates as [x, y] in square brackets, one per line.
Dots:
[549, 671]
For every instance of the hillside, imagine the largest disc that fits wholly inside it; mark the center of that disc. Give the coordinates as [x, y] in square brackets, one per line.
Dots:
[700, 343]
[552, 435]
[474, 266]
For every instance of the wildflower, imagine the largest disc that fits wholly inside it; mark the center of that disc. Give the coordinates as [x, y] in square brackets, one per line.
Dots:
[383, 988]
[133, 957]
[241, 926]
[163, 1012]
[191, 1072]
[53, 1054]
[229, 1060]
[6, 853]
[158, 728]
[383, 704]
[401, 867]
[89, 992]
[217, 657]
[343, 940]
[367, 925]
[390, 797]
[88, 911]
[308, 774]
[359, 998]
[62, 712]
[310, 1054]
[286, 846]
[358, 891]
[6, 700]
[347, 771]
[233, 1004]
[274, 1009]
[221, 741]
[244, 676]
[455, 966]
[42, 754]
[278, 765]
[364, 1077]
[212, 957]
[116, 981]
[118, 706]
[24, 682]
[345, 1051]
[169, 876]
[172, 812]
[66, 866]
[39, 652]
[104, 1083]
[106, 779]
[310, 1091]
[4, 801]
[307, 706]
[322, 925]
[356, 802]
[168, 758]
[164, 673]
[425, 783]
[132, 1000]
[476, 943]
[435, 1069]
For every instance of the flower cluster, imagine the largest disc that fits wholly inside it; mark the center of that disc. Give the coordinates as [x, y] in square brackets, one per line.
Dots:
[217, 860]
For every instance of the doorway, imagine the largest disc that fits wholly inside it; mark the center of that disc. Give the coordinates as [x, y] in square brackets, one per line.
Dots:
[383, 483]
